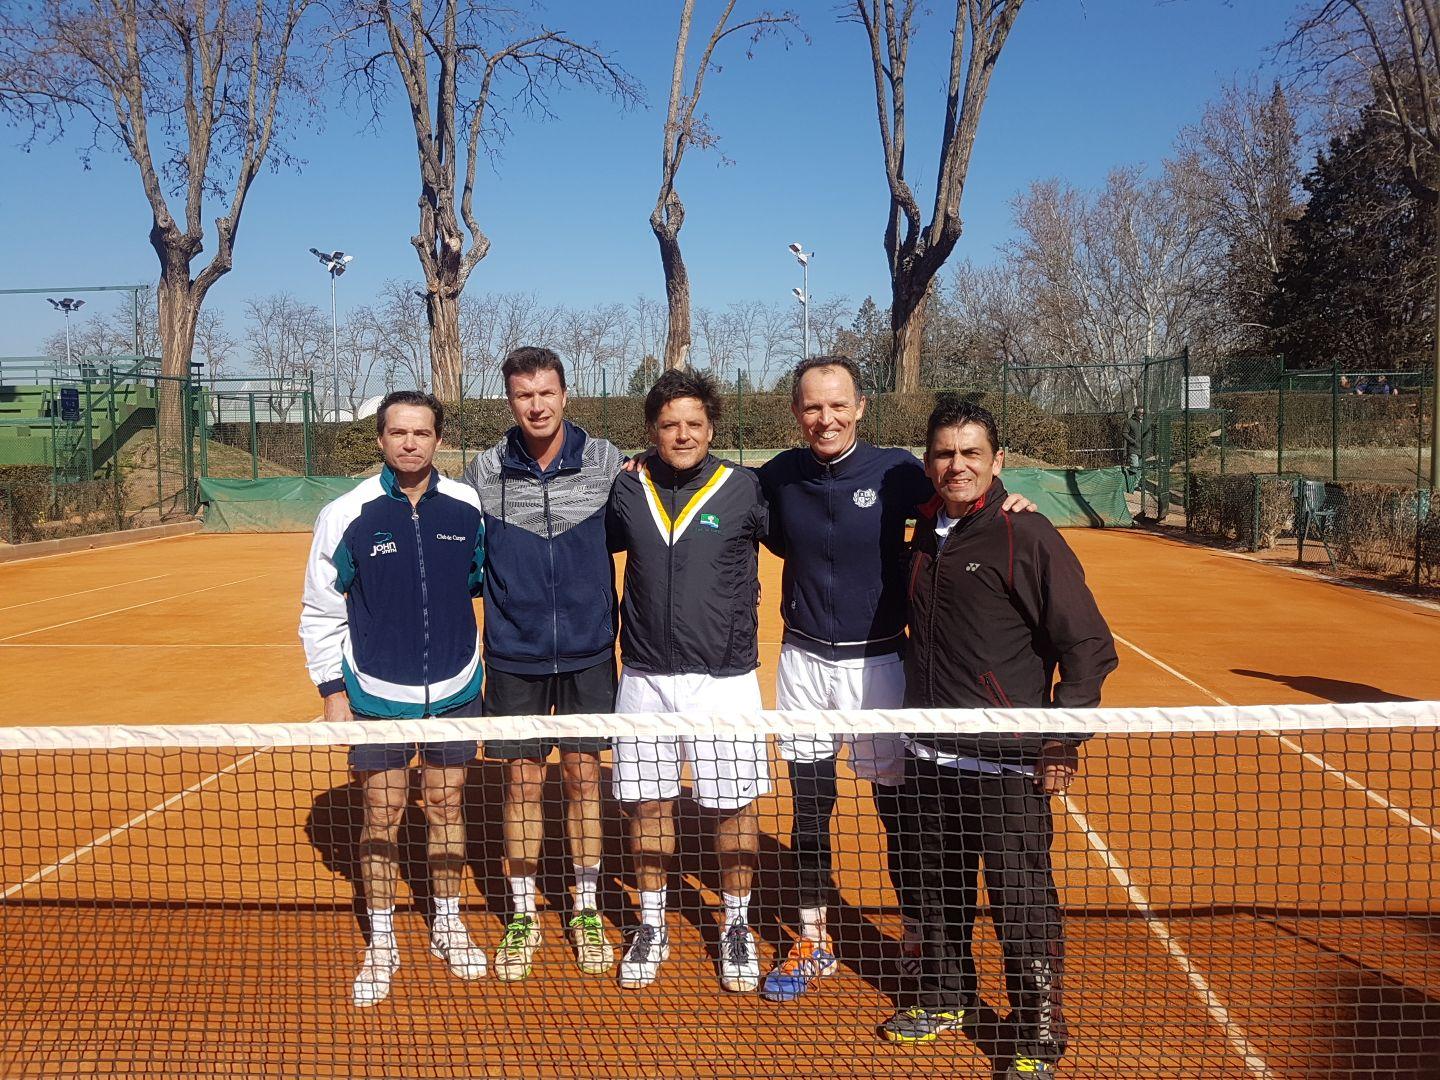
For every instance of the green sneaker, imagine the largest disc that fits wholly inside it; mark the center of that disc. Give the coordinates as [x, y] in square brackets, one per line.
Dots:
[921, 1025]
[517, 948]
[593, 951]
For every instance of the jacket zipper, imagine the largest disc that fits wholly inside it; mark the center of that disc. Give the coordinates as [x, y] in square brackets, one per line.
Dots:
[940, 543]
[670, 582]
[424, 608]
[554, 601]
[830, 550]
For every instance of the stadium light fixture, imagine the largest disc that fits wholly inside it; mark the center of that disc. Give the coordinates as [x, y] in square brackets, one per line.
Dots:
[803, 257]
[334, 263]
[66, 305]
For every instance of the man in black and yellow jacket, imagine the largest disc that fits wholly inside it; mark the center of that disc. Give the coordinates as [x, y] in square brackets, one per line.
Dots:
[998, 604]
[691, 526]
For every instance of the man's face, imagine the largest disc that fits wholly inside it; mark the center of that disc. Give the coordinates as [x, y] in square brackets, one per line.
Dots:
[961, 465]
[683, 433]
[829, 408]
[537, 402]
[409, 441]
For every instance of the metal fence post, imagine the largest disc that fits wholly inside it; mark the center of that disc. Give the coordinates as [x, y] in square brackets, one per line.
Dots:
[604, 403]
[1335, 420]
[740, 429]
[306, 398]
[1185, 403]
[1254, 511]
[1005, 409]
[1280, 422]
[114, 450]
[204, 415]
[254, 440]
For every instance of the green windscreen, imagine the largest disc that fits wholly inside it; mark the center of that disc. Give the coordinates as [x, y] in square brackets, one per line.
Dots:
[272, 504]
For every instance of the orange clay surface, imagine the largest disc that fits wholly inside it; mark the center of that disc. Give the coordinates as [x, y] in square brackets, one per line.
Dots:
[1237, 906]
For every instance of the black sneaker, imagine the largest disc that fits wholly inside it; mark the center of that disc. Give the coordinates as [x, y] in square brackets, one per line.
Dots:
[925, 1025]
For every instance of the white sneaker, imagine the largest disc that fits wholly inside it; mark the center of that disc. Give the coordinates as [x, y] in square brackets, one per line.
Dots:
[739, 960]
[647, 949]
[372, 984]
[450, 941]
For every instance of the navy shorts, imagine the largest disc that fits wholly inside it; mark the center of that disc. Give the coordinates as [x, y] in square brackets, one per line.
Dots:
[590, 690]
[381, 757]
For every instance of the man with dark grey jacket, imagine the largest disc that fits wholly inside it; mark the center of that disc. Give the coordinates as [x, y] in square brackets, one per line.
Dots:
[998, 605]
[549, 639]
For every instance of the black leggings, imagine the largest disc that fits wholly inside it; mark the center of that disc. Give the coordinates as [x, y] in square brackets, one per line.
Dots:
[813, 787]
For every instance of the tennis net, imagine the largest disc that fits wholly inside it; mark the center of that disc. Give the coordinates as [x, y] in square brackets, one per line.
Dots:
[1243, 892]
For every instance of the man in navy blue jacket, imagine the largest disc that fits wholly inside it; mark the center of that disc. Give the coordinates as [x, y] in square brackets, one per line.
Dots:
[549, 639]
[389, 632]
[838, 513]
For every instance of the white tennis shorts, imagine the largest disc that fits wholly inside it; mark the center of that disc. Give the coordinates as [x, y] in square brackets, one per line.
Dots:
[729, 772]
[807, 681]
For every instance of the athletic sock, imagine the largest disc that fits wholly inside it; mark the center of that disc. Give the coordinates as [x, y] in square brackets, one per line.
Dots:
[737, 909]
[447, 907]
[812, 924]
[522, 896]
[587, 887]
[382, 924]
[652, 908]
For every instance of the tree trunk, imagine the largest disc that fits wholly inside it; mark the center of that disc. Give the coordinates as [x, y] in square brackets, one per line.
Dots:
[446, 358]
[677, 297]
[908, 310]
[178, 301]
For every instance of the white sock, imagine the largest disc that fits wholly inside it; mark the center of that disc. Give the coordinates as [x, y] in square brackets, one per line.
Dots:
[737, 909]
[447, 907]
[382, 924]
[652, 908]
[812, 924]
[522, 895]
[587, 887]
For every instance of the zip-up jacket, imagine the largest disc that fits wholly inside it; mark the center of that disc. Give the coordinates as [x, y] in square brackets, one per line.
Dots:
[692, 584]
[994, 611]
[840, 527]
[387, 614]
[549, 578]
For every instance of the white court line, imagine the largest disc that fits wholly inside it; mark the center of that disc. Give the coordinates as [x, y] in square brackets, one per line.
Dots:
[82, 592]
[139, 819]
[1234, 1034]
[1314, 759]
[132, 607]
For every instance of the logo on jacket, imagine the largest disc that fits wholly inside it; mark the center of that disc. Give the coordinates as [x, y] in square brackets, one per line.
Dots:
[448, 536]
[384, 544]
[864, 498]
[971, 567]
[710, 521]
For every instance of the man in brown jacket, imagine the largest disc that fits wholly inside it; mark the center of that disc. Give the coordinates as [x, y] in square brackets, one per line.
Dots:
[998, 603]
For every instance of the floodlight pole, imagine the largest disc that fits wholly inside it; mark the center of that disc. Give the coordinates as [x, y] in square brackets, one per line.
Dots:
[335, 343]
[802, 294]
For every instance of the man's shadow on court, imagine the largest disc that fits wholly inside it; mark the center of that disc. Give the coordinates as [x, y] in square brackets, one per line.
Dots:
[337, 815]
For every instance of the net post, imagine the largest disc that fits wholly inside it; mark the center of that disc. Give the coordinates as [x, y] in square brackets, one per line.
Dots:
[254, 440]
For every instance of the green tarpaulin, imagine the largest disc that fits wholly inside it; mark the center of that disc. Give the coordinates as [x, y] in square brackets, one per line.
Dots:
[1074, 498]
[274, 504]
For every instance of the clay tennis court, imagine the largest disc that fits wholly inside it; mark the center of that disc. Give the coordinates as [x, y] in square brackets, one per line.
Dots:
[1246, 905]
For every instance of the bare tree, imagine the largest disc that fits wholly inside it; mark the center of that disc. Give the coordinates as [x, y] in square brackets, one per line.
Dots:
[400, 316]
[195, 93]
[1383, 56]
[451, 58]
[1240, 165]
[214, 344]
[915, 250]
[112, 332]
[288, 342]
[685, 128]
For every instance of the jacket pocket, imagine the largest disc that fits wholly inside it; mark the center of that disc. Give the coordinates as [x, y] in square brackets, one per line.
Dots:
[993, 691]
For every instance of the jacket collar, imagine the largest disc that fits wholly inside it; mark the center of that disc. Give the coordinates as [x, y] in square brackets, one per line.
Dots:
[664, 476]
[391, 485]
[836, 466]
[989, 504]
[515, 455]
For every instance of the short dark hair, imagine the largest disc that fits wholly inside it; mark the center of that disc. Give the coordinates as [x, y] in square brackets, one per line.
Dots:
[527, 360]
[955, 412]
[411, 397]
[682, 383]
[810, 363]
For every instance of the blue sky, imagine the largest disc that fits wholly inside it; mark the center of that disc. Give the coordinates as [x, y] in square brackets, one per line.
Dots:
[1083, 86]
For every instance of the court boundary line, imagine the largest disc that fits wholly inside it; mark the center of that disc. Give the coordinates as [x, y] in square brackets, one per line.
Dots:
[1235, 1035]
[82, 592]
[1416, 823]
[76, 854]
[133, 607]
[155, 645]
[183, 530]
